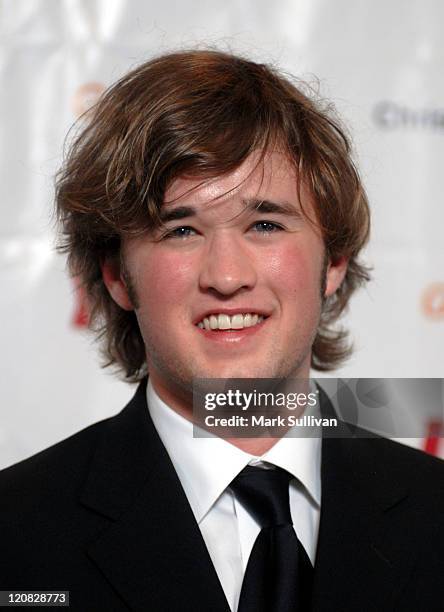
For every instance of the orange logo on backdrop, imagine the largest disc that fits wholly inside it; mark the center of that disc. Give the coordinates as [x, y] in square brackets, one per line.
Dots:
[86, 96]
[432, 301]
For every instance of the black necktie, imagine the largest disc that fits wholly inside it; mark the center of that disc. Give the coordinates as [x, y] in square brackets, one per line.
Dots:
[279, 573]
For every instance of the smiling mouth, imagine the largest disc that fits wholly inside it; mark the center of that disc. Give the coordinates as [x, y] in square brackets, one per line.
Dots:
[224, 322]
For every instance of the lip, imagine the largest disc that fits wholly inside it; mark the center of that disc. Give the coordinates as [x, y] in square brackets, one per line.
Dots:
[230, 312]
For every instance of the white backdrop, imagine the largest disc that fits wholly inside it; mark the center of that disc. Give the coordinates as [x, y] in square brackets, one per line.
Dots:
[382, 65]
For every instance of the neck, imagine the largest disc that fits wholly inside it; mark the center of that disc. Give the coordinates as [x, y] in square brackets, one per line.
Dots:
[181, 401]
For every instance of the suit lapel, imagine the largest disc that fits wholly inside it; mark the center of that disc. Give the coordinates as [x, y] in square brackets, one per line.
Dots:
[363, 556]
[152, 553]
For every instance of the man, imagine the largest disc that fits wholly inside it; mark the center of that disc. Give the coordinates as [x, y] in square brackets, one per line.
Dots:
[215, 216]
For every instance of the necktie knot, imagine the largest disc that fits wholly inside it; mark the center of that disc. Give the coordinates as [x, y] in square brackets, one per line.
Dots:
[264, 493]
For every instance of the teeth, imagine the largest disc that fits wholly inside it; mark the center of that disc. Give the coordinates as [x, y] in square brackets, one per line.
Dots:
[223, 321]
[237, 321]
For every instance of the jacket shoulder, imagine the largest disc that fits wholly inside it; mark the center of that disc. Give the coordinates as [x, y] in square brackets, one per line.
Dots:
[404, 457]
[40, 476]
[397, 466]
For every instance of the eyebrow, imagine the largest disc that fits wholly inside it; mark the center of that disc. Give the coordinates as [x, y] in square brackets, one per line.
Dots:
[175, 214]
[268, 207]
[252, 205]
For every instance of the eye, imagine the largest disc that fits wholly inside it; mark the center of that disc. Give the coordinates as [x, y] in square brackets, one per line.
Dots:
[266, 227]
[184, 231]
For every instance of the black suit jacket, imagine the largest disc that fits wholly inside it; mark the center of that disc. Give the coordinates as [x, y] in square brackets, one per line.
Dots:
[103, 515]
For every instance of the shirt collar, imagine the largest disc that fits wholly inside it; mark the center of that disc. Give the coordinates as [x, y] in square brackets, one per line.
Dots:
[207, 465]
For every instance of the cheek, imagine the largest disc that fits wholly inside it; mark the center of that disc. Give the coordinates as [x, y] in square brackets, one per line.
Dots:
[164, 279]
[295, 271]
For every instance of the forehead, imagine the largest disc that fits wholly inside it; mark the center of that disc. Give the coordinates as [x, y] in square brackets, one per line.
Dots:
[270, 176]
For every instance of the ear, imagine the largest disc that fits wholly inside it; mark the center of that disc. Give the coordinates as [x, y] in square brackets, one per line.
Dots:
[336, 271]
[115, 283]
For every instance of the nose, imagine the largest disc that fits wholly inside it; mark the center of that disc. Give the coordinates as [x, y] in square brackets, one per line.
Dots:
[227, 266]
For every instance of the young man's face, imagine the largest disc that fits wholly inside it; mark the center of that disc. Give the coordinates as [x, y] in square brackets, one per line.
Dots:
[233, 246]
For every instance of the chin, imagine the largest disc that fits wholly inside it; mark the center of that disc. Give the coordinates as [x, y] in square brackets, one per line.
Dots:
[237, 371]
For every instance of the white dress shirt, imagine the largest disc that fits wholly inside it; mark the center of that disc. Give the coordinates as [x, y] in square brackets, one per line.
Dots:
[206, 466]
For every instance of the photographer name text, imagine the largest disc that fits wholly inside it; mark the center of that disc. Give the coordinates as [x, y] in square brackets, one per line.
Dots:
[264, 421]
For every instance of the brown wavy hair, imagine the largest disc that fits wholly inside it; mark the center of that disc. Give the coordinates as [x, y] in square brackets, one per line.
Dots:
[200, 113]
